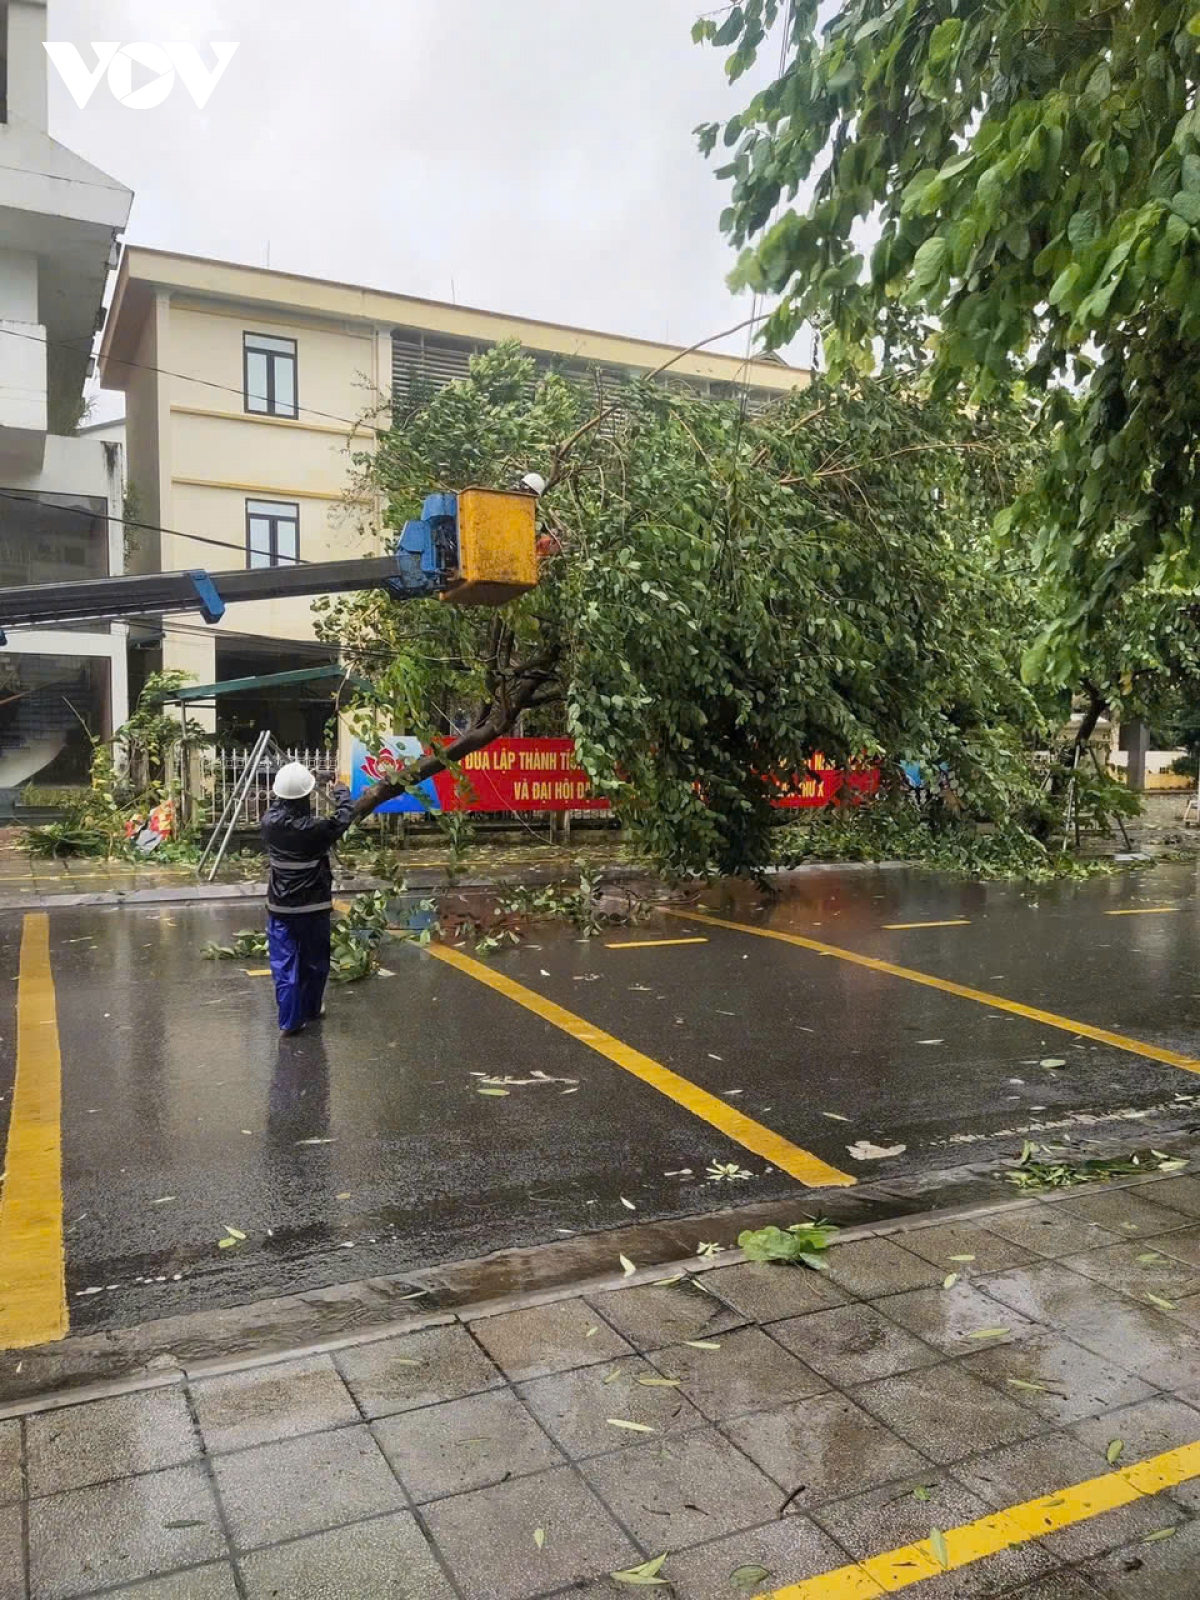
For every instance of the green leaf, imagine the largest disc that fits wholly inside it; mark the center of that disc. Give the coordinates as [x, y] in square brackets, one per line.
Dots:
[937, 1543]
[748, 1578]
[648, 1572]
[929, 261]
[1186, 204]
[1113, 1453]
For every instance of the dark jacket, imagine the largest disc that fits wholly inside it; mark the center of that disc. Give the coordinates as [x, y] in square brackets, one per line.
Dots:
[298, 845]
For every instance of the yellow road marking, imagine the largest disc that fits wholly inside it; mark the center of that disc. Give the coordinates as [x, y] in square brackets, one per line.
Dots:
[1142, 911]
[994, 1002]
[799, 1164]
[1015, 1525]
[33, 1294]
[953, 922]
[650, 944]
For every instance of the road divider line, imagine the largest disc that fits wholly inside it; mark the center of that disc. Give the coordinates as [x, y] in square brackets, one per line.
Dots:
[650, 944]
[802, 1165]
[1001, 1530]
[994, 1002]
[1142, 911]
[952, 922]
[33, 1294]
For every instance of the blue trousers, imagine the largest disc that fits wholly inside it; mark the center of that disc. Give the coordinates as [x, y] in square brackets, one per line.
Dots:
[299, 954]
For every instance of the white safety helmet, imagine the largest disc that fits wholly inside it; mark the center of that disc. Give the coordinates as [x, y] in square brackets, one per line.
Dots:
[534, 482]
[294, 781]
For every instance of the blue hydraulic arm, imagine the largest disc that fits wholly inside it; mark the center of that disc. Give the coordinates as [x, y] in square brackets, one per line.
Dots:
[476, 547]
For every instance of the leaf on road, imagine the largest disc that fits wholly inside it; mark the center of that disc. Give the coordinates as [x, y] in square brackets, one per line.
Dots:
[592, 1332]
[315, 1141]
[161, 1201]
[835, 1116]
[495, 1092]
[703, 1344]
[1157, 1300]
[539, 1537]
[990, 1333]
[937, 1543]
[931, 1041]
[748, 1577]
[661, 1383]
[921, 1493]
[665, 1283]
[405, 1361]
[628, 1204]
[224, 1244]
[950, 1280]
[708, 1248]
[1149, 1256]
[1176, 1165]
[611, 1377]
[1052, 1061]
[1113, 1454]
[646, 1573]
[864, 1150]
[634, 1427]
[234, 1233]
[627, 1266]
[960, 1258]
[1022, 1383]
[1162, 1533]
[186, 1522]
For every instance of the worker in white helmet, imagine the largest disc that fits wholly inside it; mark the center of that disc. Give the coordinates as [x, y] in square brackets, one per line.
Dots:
[300, 892]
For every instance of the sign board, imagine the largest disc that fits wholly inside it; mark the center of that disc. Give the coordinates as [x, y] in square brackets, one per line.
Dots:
[543, 775]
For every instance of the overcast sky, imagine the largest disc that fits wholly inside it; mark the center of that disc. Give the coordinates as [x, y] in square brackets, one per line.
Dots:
[530, 156]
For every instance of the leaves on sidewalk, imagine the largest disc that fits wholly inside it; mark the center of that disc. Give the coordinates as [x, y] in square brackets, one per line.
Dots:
[633, 1427]
[749, 1577]
[864, 1150]
[647, 1573]
[1113, 1454]
[937, 1543]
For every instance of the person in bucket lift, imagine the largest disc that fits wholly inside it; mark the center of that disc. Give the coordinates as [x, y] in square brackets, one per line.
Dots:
[300, 892]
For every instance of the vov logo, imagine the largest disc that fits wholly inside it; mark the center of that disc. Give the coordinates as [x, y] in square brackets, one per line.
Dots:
[117, 61]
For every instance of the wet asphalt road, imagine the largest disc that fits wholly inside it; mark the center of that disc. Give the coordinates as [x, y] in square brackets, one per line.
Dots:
[364, 1147]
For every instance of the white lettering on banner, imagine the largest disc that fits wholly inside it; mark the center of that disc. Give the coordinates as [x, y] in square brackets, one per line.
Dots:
[118, 61]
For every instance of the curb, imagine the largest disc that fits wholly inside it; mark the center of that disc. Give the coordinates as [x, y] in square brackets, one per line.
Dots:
[517, 1300]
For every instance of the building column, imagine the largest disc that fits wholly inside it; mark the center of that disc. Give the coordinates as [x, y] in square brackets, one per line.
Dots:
[195, 654]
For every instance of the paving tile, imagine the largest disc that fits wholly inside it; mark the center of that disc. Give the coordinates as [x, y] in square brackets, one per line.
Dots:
[656, 1315]
[416, 1369]
[545, 1339]
[825, 1447]
[1064, 1585]
[1125, 1212]
[1144, 1341]
[12, 1559]
[1120, 1267]
[574, 1407]
[1048, 1231]
[1078, 1383]
[951, 1319]
[488, 1540]
[213, 1582]
[1052, 1462]
[1183, 1244]
[119, 1532]
[464, 1444]
[104, 1439]
[872, 1267]
[767, 1291]
[388, 1557]
[947, 1413]
[1181, 1194]
[1167, 1569]
[788, 1551]
[297, 1486]
[853, 1344]
[10, 1462]
[695, 1487]
[939, 1245]
[1147, 1429]
[248, 1408]
[891, 1517]
[750, 1372]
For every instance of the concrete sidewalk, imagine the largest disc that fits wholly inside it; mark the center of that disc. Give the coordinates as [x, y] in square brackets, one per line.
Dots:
[759, 1425]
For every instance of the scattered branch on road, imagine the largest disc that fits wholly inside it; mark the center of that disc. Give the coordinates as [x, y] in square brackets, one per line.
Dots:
[1032, 1175]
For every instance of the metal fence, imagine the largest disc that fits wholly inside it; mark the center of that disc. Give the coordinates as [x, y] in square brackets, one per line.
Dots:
[225, 767]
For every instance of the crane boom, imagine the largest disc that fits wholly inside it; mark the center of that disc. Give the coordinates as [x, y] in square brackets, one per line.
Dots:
[475, 547]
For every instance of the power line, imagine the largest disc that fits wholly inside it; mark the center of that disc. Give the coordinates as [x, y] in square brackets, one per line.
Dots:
[29, 497]
[184, 377]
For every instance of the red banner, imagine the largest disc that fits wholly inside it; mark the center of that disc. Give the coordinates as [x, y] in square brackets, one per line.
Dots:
[543, 775]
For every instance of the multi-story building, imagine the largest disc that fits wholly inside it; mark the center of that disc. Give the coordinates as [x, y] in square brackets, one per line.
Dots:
[60, 494]
[245, 389]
